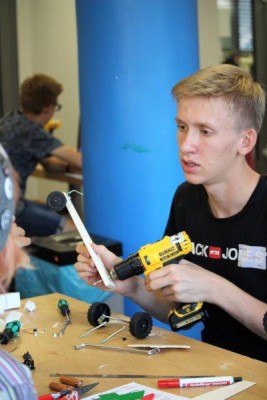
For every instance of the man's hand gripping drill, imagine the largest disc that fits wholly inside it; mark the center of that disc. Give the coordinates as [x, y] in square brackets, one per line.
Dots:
[157, 255]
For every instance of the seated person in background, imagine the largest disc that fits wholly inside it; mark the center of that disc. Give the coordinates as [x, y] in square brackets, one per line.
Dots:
[23, 136]
[223, 208]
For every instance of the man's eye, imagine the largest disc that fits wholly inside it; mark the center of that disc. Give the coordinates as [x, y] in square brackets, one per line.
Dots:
[206, 132]
[181, 127]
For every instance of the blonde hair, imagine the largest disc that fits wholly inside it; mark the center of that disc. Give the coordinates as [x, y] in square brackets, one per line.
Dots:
[245, 97]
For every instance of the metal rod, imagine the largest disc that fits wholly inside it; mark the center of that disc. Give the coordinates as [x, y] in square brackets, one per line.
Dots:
[93, 329]
[103, 316]
[114, 318]
[160, 346]
[115, 348]
[111, 336]
[15, 348]
[129, 376]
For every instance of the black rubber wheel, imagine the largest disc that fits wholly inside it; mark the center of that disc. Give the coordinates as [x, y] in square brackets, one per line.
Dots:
[57, 202]
[141, 325]
[95, 311]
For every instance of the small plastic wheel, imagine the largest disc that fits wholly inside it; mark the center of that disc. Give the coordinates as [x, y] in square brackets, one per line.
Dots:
[140, 325]
[95, 311]
[57, 202]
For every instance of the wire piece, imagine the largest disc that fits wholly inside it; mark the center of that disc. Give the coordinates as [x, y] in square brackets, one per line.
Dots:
[112, 335]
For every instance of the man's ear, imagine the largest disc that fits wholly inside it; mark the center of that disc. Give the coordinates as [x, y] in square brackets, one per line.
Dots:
[48, 109]
[248, 139]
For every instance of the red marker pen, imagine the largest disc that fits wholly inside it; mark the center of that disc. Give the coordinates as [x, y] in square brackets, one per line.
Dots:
[198, 382]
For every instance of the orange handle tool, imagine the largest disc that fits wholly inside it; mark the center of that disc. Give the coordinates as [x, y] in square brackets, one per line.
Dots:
[57, 387]
[68, 380]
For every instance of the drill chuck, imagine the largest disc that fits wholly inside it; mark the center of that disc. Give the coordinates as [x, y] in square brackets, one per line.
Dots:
[127, 268]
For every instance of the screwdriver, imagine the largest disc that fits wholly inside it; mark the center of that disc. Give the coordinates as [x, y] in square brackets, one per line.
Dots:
[12, 328]
[63, 305]
[69, 394]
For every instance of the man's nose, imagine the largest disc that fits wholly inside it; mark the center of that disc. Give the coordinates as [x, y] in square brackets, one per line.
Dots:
[188, 143]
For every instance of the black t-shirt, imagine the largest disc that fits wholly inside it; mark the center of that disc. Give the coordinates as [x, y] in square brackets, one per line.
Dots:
[234, 248]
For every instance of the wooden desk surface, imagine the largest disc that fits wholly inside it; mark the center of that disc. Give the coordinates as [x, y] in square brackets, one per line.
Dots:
[57, 355]
[69, 177]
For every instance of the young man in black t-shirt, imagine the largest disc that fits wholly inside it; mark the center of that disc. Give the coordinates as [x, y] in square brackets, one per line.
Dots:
[222, 206]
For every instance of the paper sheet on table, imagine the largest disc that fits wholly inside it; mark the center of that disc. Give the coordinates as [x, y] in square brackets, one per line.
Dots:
[9, 301]
[225, 392]
[134, 387]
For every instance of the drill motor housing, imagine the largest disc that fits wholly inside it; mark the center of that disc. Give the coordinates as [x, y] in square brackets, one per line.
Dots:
[153, 256]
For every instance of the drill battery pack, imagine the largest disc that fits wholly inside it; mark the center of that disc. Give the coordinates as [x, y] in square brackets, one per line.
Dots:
[186, 316]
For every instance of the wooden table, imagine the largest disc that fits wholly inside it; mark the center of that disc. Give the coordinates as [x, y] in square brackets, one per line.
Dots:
[60, 176]
[57, 354]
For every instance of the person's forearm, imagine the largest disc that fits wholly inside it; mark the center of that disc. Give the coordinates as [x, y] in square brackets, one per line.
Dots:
[69, 155]
[152, 302]
[54, 164]
[246, 309]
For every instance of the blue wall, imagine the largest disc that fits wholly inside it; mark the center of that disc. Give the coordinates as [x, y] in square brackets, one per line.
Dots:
[131, 53]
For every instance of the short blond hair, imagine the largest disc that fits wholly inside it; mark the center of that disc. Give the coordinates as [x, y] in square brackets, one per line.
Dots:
[245, 97]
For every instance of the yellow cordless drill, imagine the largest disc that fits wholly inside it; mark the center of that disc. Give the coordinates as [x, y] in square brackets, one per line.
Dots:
[157, 255]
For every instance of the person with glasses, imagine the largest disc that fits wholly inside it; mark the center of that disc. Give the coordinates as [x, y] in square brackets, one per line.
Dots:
[26, 142]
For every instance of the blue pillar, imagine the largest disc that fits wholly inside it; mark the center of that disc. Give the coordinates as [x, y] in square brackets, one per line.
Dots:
[131, 53]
